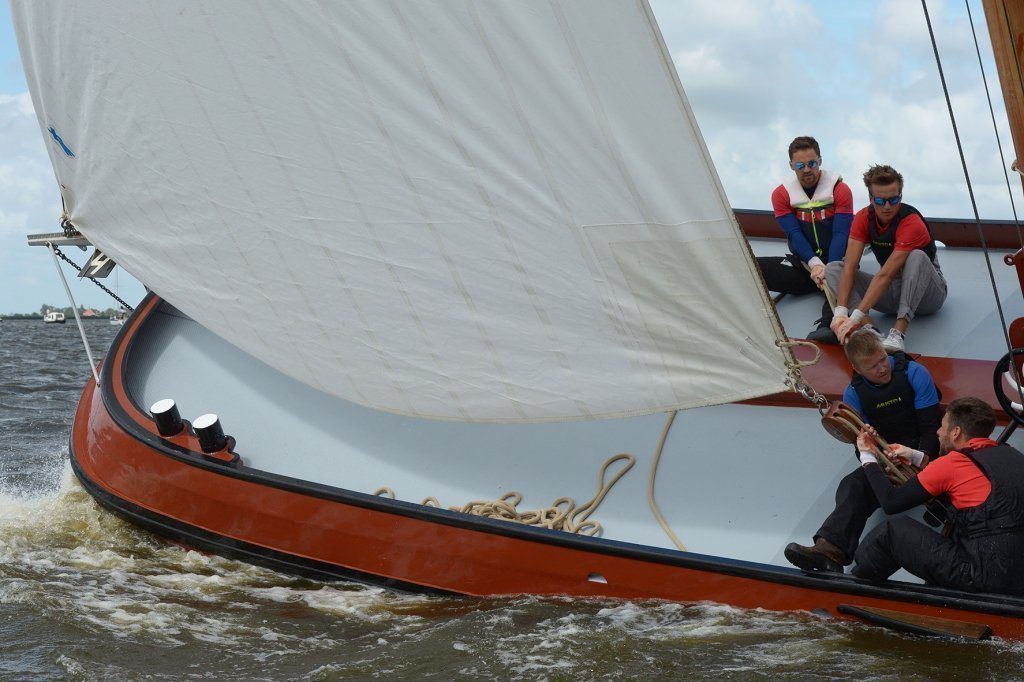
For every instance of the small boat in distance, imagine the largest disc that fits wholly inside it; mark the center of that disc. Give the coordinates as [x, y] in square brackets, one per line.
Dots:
[118, 318]
[54, 317]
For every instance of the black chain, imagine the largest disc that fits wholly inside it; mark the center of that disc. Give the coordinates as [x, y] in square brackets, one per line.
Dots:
[69, 229]
[91, 279]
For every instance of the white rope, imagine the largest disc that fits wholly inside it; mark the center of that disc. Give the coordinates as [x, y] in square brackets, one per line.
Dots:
[650, 483]
[563, 514]
[74, 308]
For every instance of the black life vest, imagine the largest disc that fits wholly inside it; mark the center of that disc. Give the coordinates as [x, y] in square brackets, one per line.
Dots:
[992, 533]
[890, 408]
[883, 243]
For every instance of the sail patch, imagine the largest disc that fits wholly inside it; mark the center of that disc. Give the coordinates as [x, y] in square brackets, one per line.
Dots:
[63, 147]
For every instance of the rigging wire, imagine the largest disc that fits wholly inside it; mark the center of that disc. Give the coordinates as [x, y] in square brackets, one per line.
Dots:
[75, 265]
[1006, 176]
[995, 127]
[970, 189]
[74, 309]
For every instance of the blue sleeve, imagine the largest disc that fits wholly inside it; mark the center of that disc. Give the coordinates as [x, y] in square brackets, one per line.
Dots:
[851, 398]
[797, 240]
[925, 393]
[840, 234]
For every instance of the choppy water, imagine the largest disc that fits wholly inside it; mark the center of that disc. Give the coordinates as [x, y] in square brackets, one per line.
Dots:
[83, 595]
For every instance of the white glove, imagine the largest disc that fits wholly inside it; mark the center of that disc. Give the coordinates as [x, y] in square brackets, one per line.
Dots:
[909, 455]
[868, 457]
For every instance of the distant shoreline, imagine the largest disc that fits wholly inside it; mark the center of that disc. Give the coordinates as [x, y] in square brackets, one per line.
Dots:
[38, 318]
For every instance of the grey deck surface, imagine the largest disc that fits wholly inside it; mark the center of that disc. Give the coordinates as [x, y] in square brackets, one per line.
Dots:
[967, 326]
[734, 481]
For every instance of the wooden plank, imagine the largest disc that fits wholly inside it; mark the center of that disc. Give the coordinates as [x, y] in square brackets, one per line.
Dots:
[57, 239]
[918, 624]
[955, 377]
[957, 232]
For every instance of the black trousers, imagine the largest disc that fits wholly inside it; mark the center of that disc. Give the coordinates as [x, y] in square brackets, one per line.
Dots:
[855, 502]
[787, 275]
[901, 542]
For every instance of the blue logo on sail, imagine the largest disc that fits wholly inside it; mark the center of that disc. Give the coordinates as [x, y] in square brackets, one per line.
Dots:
[56, 138]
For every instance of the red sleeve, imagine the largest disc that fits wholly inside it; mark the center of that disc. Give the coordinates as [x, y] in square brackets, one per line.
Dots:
[911, 234]
[843, 197]
[780, 201]
[958, 476]
[937, 477]
[859, 228]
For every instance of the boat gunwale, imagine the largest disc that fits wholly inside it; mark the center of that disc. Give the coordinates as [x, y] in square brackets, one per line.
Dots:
[120, 350]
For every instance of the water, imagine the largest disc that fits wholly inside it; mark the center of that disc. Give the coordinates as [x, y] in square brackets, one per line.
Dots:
[84, 595]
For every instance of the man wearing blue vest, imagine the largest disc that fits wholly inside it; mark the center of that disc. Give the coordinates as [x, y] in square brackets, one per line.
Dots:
[814, 207]
[898, 398]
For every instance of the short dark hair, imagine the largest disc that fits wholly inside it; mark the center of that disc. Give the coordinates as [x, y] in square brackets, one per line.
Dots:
[803, 142]
[882, 175]
[973, 415]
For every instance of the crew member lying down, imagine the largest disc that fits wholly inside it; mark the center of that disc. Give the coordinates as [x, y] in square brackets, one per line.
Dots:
[985, 484]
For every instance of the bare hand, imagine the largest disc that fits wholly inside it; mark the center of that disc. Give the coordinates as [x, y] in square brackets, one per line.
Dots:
[818, 275]
[845, 328]
[867, 438]
[905, 454]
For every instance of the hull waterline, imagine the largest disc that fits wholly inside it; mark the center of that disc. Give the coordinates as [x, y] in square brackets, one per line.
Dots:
[171, 488]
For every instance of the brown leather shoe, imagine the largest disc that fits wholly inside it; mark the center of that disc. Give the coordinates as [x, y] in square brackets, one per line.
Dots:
[823, 556]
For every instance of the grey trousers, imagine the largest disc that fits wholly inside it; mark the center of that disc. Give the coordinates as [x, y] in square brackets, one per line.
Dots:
[919, 287]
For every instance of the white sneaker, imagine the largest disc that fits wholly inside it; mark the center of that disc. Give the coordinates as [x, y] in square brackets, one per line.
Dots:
[894, 341]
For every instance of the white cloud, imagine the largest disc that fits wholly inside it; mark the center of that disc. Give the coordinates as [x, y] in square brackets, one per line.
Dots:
[28, 190]
[30, 202]
[760, 73]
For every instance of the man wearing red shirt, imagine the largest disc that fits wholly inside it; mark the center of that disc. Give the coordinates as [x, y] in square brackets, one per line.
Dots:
[985, 484]
[814, 207]
[909, 281]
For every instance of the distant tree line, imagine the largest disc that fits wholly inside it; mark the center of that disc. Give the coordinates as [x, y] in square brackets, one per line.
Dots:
[68, 311]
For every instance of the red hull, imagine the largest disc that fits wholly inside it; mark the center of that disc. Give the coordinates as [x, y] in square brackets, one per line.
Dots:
[171, 488]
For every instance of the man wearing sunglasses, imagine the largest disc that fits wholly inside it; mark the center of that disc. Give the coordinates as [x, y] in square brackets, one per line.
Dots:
[814, 207]
[909, 281]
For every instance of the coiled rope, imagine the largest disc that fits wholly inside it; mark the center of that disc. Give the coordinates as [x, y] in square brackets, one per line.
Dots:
[562, 514]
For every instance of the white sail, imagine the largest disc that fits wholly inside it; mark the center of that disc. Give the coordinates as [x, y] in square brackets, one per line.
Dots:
[473, 210]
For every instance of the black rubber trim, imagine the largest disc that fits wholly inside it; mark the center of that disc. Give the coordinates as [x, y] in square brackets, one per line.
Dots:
[1002, 605]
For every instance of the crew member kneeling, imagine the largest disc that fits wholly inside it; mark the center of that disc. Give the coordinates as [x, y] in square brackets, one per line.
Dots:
[985, 483]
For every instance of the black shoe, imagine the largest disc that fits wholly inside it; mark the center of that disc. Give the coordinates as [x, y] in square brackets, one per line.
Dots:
[823, 335]
[822, 332]
[811, 559]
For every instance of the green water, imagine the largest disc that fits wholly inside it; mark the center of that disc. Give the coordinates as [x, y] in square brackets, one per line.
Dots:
[83, 595]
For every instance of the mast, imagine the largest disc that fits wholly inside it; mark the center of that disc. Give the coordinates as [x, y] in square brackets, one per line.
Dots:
[1006, 31]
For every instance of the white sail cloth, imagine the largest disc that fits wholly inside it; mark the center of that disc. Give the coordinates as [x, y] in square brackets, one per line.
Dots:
[472, 210]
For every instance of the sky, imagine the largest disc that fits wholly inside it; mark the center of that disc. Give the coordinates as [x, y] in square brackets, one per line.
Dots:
[858, 76]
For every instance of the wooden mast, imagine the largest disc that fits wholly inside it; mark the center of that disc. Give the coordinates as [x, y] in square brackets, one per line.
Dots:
[1005, 20]
[1006, 31]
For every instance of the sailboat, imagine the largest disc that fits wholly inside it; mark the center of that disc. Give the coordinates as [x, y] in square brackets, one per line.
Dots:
[446, 297]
